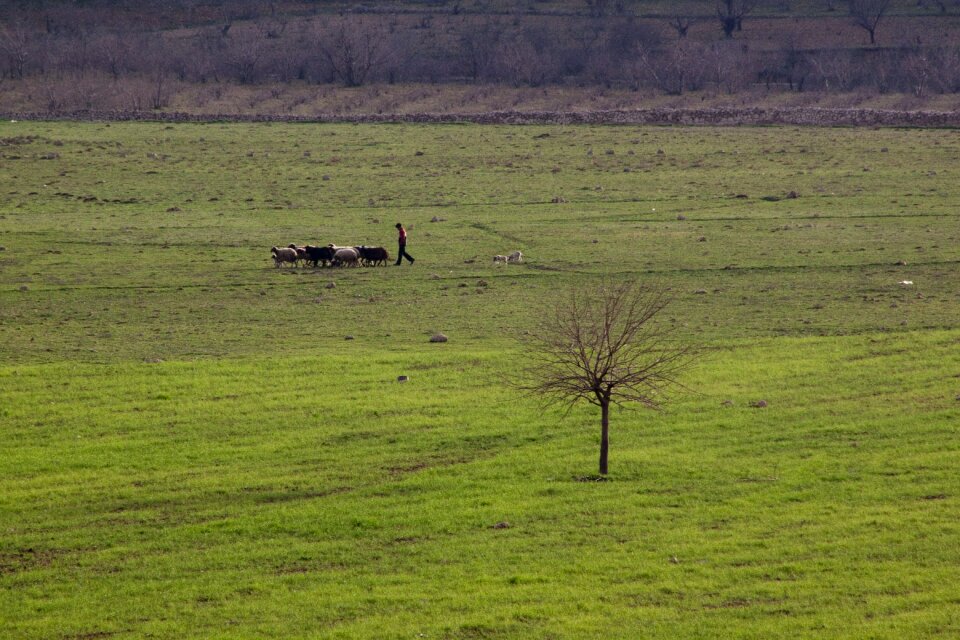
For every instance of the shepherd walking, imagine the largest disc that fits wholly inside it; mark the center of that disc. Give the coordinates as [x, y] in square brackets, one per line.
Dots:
[402, 240]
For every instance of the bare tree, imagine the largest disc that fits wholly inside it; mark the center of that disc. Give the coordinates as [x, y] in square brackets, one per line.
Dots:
[920, 69]
[243, 57]
[728, 66]
[672, 69]
[602, 346]
[681, 24]
[866, 14]
[14, 42]
[731, 14]
[355, 48]
[477, 48]
[835, 72]
[115, 53]
[521, 61]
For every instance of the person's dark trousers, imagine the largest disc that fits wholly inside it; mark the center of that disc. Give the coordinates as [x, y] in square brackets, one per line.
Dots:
[402, 253]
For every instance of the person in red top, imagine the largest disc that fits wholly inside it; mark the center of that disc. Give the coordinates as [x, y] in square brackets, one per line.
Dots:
[402, 239]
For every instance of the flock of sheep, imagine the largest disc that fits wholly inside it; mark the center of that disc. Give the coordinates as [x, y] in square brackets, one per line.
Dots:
[516, 257]
[334, 256]
[330, 255]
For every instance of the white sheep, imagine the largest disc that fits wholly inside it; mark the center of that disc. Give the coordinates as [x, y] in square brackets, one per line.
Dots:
[516, 257]
[281, 255]
[346, 255]
[499, 259]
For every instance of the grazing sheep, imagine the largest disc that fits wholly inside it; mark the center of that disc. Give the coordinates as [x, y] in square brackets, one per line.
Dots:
[499, 259]
[374, 255]
[516, 256]
[281, 255]
[316, 255]
[346, 255]
[301, 252]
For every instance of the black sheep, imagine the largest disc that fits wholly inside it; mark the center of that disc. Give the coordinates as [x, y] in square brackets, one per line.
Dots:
[317, 255]
[374, 255]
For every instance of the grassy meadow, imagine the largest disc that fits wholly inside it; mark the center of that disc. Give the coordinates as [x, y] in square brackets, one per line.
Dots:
[191, 446]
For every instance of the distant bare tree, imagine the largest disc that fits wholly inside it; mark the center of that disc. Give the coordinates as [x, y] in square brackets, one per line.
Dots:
[14, 43]
[521, 61]
[603, 346]
[788, 66]
[54, 94]
[673, 68]
[835, 72]
[728, 65]
[731, 14]
[919, 68]
[948, 69]
[582, 41]
[115, 53]
[244, 60]
[681, 24]
[354, 48]
[866, 14]
[477, 47]
[626, 35]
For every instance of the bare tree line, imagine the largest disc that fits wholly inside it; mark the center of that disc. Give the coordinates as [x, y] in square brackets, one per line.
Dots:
[354, 50]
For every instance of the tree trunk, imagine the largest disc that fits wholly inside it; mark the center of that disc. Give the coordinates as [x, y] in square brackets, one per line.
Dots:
[604, 434]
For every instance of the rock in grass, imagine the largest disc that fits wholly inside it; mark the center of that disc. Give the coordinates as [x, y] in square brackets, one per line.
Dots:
[331, 285]
[438, 337]
[402, 378]
[501, 525]
[759, 404]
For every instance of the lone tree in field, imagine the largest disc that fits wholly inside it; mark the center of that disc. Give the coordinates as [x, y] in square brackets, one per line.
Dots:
[603, 346]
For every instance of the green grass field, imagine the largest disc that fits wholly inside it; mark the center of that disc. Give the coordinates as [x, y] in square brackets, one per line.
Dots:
[191, 448]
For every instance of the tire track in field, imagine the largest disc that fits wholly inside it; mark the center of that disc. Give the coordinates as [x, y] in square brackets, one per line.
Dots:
[538, 268]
